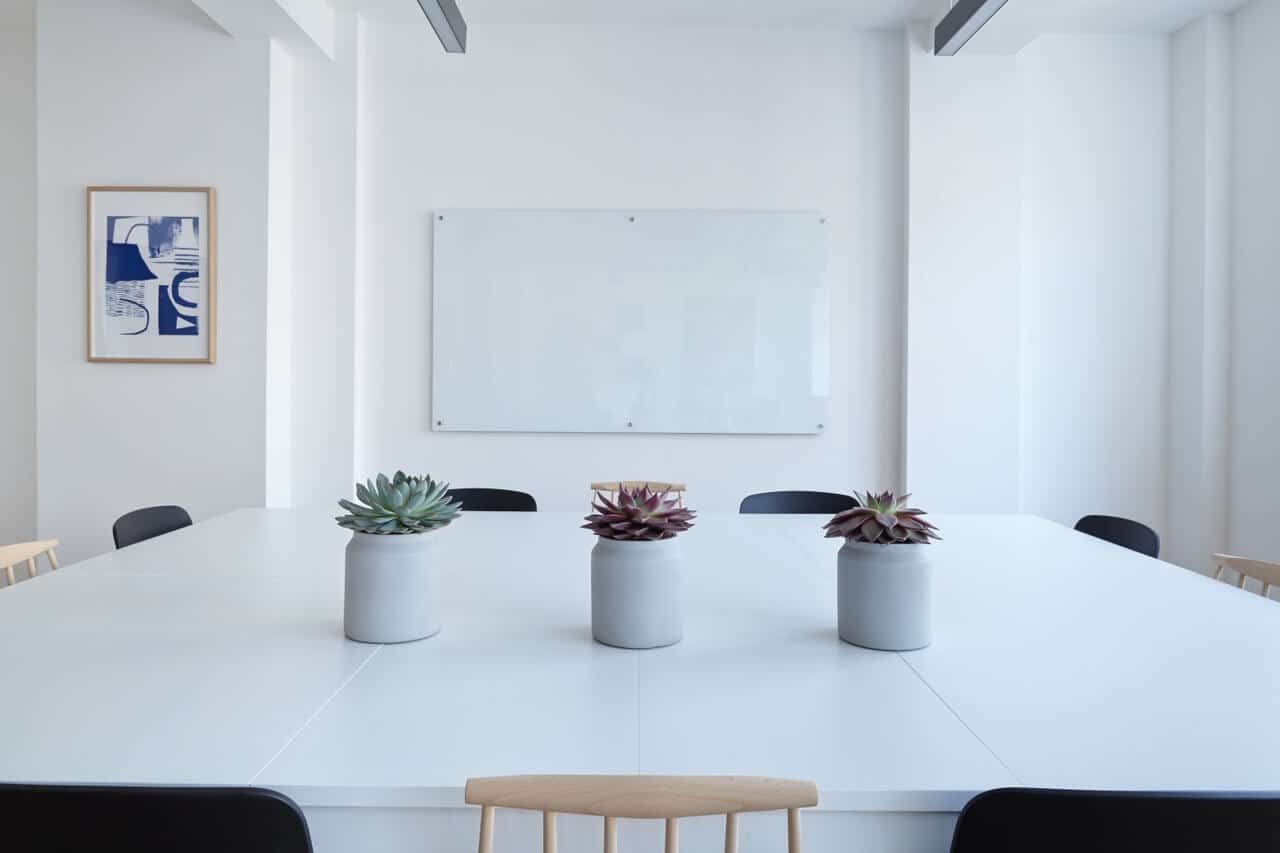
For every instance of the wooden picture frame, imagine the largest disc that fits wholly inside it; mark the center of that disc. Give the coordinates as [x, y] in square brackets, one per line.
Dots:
[151, 298]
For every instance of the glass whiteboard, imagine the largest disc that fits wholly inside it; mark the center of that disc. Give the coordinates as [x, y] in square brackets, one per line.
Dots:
[630, 321]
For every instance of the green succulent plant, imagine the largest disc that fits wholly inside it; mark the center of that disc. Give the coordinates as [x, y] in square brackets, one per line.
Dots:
[399, 505]
[639, 515]
[882, 519]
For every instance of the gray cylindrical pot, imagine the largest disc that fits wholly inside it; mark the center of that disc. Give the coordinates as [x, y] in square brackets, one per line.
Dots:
[885, 596]
[636, 593]
[391, 588]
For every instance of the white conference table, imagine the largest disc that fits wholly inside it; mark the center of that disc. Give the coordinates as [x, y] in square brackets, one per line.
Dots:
[215, 655]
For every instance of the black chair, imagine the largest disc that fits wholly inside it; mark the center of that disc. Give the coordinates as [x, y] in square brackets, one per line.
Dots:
[494, 500]
[143, 524]
[67, 818]
[1018, 820]
[1123, 532]
[792, 503]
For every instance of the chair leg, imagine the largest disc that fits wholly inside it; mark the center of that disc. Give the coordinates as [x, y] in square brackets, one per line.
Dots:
[548, 832]
[486, 829]
[731, 833]
[31, 567]
[673, 836]
[610, 835]
[793, 831]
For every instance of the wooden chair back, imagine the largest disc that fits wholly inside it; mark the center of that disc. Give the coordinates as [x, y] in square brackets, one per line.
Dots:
[612, 487]
[1267, 574]
[666, 798]
[27, 552]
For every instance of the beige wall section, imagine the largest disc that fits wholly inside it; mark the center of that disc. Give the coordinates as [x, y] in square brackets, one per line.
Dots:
[17, 274]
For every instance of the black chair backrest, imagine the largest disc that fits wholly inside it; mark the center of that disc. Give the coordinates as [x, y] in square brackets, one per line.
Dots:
[67, 818]
[494, 500]
[827, 503]
[1018, 820]
[1123, 532]
[143, 524]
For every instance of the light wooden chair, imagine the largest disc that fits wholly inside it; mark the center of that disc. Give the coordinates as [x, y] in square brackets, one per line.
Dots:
[26, 552]
[666, 798]
[1267, 574]
[612, 487]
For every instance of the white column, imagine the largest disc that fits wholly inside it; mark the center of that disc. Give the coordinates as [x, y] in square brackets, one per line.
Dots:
[17, 275]
[1199, 291]
[1255, 357]
[962, 361]
[282, 262]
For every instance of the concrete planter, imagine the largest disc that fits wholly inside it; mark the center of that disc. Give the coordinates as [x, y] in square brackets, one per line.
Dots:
[885, 596]
[636, 593]
[391, 588]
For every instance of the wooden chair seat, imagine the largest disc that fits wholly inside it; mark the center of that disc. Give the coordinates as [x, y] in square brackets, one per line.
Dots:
[26, 552]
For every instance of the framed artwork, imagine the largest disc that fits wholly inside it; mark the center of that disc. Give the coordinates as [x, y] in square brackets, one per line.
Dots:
[152, 272]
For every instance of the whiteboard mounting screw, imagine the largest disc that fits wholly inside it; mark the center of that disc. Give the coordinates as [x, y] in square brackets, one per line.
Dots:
[629, 424]
[439, 423]
[819, 426]
[441, 218]
[822, 220]
[631, 219]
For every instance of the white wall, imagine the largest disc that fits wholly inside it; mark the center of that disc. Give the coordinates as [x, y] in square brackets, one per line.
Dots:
[962, 420]
[1037, 278]
[603, 117]
[17, 280]
[1255, 309]
[283, 253]
[1038, 329]
[1199, 293]
[1095, 267]
[326, 228]
[147, 92]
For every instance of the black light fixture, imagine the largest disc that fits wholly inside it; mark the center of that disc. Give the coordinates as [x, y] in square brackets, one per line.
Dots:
[447, 21]
[961, 24]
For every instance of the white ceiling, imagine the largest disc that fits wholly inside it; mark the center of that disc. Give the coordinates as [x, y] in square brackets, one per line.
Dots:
[1014, 26]
[870, 14]
[1037, 16]
[1020, 21]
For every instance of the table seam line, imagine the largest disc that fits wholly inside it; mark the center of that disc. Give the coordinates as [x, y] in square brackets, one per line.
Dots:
[960, 719]
[314, 714]
[639, 761]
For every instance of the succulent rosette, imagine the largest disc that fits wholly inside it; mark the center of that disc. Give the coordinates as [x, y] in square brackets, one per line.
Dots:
[882, 519]
[638, 515]
[401, 504]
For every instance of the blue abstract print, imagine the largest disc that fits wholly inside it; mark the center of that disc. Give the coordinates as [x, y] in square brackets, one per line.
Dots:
[163, 251]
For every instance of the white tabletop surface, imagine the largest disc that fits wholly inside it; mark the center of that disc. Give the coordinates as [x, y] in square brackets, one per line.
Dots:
[215, 654]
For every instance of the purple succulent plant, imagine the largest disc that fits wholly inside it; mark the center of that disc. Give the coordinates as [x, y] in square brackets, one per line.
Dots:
[882, 519]
[639, 515]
